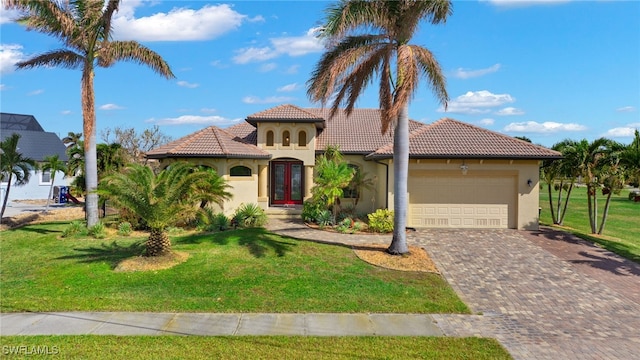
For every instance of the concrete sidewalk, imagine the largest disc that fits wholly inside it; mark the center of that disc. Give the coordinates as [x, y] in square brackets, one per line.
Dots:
[138, 323]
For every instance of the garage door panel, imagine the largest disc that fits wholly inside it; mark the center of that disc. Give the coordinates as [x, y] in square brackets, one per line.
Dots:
[462, 202]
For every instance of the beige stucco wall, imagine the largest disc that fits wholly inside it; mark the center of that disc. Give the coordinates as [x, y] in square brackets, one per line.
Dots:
[306, 154]
[527, 200]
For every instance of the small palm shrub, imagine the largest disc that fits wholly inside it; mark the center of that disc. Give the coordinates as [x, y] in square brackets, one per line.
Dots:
[209, 220]
[325, 218]
[344, 226]
[124, 228]
[381, 221]
[74, 228]
[98, 230]
[311, 209]
[250, 215]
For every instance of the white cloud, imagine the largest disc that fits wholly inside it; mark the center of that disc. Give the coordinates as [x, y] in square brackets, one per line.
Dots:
[477, 102]
[268, 67]
[288, 87]
[461, 73]
[267, 100]
[35, 92]
[486, 122]
[626, 109]
[194, 119]
[187, 84]
[509, 111]
[293, 69]
[219, 64]
[288, 45]
[625, 131]
[208, 110]
[8, 16]
[66, 112]
[179, 24]
[110, 107]
[545, 127]
[10, 54]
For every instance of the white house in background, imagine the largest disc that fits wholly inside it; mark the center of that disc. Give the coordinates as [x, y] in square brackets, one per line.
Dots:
[34, 143]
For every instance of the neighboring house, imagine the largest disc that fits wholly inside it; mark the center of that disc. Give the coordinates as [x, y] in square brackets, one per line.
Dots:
[34, 143]
[460, 175]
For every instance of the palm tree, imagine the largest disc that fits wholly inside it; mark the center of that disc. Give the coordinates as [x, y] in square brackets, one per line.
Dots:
[72, 139]
[352, 60]
[84, 27]
[631, 159]
[162, 200]
[13, 164]
[332, 176]
[53, 164]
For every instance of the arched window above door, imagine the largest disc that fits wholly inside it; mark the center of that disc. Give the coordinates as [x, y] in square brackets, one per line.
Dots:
[286, 138]
[302, 138]
[269, 138]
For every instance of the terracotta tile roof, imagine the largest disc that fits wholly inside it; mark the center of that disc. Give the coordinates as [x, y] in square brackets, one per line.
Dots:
[360, 133]
[209, 142]
[285, 113]
[245, 131]
[448, 138]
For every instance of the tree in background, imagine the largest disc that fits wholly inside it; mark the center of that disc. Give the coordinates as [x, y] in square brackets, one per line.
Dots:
[162, 200]
[53, 164]
[630, 159]
[136, 144]
[333, 175]
[382, 50]
[84, 27]
[13, 166]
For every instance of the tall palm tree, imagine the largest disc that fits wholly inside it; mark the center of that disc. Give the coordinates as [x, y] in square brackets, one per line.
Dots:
[161, 200]
[13, 164]
[631, 159]
[53, 164]
[72, 139]
[381, 49]
[84, 27]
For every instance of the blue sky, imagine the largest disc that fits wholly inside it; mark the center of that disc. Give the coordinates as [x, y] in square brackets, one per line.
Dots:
[544, 69]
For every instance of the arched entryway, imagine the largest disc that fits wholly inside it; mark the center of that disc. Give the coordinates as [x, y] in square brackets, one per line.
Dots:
[287, 182]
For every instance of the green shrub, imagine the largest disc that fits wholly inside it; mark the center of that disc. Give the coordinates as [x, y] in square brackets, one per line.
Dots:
[75, 228]
[208, 220]
[124, 228]
[381, 221]
[325, 218]
[311, 210]
[250, 215]
[344, 226]
[358, 226]
[98, 230]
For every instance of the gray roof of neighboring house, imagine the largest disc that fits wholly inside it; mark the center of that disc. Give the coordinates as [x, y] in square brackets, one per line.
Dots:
[34, 143]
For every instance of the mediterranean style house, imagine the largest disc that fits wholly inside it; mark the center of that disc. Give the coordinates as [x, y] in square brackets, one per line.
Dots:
[460, 175]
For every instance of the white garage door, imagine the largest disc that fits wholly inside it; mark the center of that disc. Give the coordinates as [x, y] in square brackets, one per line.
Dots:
[462, 201]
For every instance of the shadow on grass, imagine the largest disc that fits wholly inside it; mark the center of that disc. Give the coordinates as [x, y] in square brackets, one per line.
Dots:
[112, 253]
[257, 240]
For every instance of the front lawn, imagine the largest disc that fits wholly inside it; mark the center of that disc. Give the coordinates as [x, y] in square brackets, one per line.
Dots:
[622, 229]
[251, 347]
[247, 270]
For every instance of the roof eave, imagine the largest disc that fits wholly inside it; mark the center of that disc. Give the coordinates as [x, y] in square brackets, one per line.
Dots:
[374, 156]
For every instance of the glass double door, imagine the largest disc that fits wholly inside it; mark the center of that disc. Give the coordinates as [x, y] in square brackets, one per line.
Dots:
[286, 182]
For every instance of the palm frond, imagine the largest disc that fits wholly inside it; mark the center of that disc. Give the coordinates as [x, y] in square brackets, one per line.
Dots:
[133, 51]
[56, 58]
[49, 17]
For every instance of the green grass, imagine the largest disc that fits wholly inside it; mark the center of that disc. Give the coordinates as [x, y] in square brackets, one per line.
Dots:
[250, 347]
[247, 270]
[622, 229]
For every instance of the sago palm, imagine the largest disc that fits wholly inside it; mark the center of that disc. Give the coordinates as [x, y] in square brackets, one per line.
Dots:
[84, 28]
[14, 167]
[369, 39]
[162, 200]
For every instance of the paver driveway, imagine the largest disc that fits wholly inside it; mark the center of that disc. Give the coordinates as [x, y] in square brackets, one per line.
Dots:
[537, 304]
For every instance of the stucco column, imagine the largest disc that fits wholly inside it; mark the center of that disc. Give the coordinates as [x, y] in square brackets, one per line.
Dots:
[308, 181]
[263, 173]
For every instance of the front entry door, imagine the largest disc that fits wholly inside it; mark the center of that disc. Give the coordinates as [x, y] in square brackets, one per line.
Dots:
[286, 182]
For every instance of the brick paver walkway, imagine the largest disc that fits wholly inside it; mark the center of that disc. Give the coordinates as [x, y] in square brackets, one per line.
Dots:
[529, 293]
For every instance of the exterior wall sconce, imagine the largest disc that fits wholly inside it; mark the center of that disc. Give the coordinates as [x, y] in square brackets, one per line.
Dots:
[529, 183]
[464, 168]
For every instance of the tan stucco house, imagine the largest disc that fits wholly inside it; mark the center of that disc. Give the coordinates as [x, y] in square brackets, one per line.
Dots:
[460, 175]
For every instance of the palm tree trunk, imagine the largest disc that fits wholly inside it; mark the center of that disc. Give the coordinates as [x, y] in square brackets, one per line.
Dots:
[90, 152]
[553, 215]
[6, 195]
[591, 206]
[566, 204]
[605, 212]
[558, 203]
[400, 174]
[53, 179]
[158, 243]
